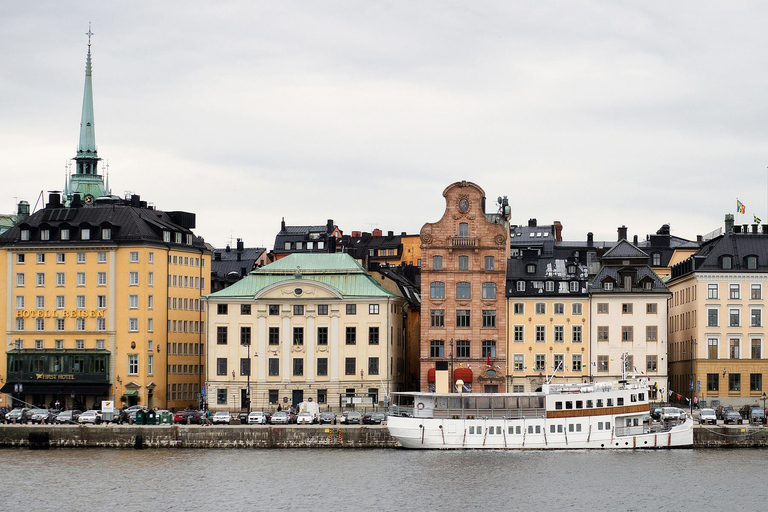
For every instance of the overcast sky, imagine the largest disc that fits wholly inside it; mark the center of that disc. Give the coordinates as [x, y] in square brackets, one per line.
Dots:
[596, 114]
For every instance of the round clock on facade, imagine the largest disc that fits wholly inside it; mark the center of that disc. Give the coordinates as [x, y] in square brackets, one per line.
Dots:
[88, 198]
[463, 204]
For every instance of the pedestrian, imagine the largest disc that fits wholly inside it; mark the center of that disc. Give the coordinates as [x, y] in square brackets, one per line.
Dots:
[279, 408]
[696, 402]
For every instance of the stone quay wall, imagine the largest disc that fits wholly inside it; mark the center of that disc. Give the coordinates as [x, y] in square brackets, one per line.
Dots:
[182, 436]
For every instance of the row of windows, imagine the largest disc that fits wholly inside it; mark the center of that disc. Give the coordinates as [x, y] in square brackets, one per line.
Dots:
[734, 381]
[180, 260]
[734, 318]
[540, 308]
[540, 362]
[734, 348]
[184, 392]
[463, 263]
[320, 245]
[178, 281]
[185, 369]
[186, 326]
[59, 344]
[628, 333]
[184, 349]
[734, 292]
[534, 429]
[627, 308]
[540, 331]
[350, 335]
[80, 257]
[298, 309]
[133, 364]
[80, 302]
[463, 318]
[651, 363]
[437, 348]
[548, 286]
[321, 369]
[185, 304]
[60, 324]
[463, 290]
[597, 403]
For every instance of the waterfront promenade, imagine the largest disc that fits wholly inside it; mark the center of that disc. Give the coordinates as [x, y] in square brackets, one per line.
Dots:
[305, 436]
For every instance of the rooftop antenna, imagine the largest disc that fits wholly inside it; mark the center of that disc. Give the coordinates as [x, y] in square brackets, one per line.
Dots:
[372, 224]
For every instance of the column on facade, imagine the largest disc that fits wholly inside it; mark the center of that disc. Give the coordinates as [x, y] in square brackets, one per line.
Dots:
[334, 350]
[287, 341]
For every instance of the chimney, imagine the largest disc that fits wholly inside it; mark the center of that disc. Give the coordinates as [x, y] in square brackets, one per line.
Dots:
[737, 229]
[376, 232]
[282, 224]
[754, 228]
[240, 245]
[622, 233]
[558, 231]
[745, 228]
[135, 200]
[635, 240]
[765, 229]
[356, 234]
[23, 211]
[403, 233]
[728, 223]
[590, 239]
[54, 201]
[243, 271]
[699, 238]
[390, 234]
[329, 226]
[531, 223]
[228, 248]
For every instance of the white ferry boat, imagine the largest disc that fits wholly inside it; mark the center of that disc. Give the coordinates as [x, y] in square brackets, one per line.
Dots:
[562, 416]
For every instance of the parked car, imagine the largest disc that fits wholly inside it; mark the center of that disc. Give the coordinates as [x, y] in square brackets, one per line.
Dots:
[258, 418]
[672, 414]
[353, 418]
[41, 416]
[220, 417]
[280, 418]
[708, 416]
[757, 416]
[374, 418]
[68, 416]
[19, 415]
[304, 418]
[733, 417]
[92, 417]
[721, 410]
[656, 413]
[135, 408]
[327, 417]
[191, 416]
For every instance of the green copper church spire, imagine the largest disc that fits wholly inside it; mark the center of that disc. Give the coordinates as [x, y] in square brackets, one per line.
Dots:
[86, 181]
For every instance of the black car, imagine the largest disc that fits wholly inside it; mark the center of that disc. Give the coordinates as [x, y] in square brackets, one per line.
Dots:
[374, 418]
[733, 417]
[327, 417]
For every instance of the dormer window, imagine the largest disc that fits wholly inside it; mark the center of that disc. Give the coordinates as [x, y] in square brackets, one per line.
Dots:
[64, 234]
[574, 286]
[106, 234]
[752, 262]
[531, 269]
[549, 286]
[178, 237]
[45, 234]
[85, 234]
[25, 234]
[608, 286]
[571, 269]
[647, 285]
[166, 236]
[726, 262]
[521, 286]
[189, 239]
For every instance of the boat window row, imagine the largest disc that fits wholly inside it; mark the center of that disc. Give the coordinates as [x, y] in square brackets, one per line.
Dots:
[490, 402]
[591, 404]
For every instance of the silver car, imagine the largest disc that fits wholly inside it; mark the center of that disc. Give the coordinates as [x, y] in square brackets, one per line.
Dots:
[280, 417]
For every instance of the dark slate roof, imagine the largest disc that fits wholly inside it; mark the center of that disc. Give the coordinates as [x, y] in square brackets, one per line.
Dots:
[737, 245]
[624, 250]
[643, 273]
[665, 244]
[304, 234]
[129, 224]
[359, 247]
[408, 279]
[547, 269]
[230, 265]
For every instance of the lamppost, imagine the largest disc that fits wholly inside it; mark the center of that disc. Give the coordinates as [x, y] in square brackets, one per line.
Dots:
[693, 379]
[248, 379]
[453, 385]
[19, 387]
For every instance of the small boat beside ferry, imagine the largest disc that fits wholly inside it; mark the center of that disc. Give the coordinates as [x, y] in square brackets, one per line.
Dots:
[602, 415]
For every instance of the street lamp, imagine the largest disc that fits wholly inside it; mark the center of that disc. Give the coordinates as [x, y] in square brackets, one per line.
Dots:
[453, 384]
[764, 397]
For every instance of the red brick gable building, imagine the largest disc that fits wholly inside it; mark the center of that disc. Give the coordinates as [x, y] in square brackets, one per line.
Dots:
[463, 278]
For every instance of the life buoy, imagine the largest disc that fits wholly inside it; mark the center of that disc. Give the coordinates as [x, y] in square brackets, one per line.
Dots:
[420, 405]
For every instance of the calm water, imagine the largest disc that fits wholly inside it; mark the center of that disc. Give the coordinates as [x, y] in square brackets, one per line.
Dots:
[358, 480]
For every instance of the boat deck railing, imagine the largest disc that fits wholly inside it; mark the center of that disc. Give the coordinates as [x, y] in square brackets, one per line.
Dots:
[651, 428]
[469, 414]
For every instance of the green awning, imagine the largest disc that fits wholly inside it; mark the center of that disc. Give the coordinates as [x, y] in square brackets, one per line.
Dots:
[131, 392]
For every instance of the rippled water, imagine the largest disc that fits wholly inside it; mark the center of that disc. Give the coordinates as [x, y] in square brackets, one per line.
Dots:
[341, 480]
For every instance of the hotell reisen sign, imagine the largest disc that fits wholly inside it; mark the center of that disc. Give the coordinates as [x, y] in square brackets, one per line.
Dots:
[61, 313]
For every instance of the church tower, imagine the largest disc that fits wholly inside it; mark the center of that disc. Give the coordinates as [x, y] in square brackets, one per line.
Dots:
[86, 181]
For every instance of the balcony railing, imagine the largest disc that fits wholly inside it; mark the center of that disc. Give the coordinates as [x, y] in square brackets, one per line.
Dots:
[463, 241]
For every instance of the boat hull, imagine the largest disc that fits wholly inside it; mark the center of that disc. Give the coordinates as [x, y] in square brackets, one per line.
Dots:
[534, 434]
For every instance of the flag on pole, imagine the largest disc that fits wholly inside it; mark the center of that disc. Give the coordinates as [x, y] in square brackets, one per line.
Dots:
[757, 219]
[740, 208]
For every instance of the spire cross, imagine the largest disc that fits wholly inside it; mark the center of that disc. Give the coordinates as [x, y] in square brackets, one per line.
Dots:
[89, 34]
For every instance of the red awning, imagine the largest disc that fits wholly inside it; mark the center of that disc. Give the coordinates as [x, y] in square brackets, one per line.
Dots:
[431, 375]
[464, 374]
